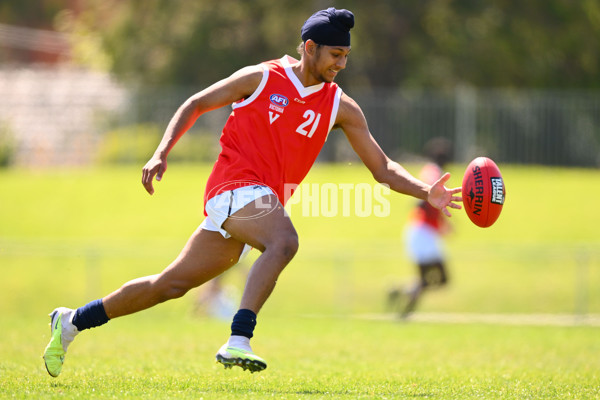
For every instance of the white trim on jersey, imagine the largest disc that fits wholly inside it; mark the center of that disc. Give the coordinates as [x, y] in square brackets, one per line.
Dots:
[258, 90]
[334, 109]
[303, 91]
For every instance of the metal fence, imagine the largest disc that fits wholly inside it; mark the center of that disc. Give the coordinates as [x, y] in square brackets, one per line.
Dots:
[511, 126]
[62, 117]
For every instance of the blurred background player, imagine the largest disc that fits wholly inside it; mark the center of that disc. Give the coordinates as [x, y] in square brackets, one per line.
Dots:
[423, 236]
[219, 298]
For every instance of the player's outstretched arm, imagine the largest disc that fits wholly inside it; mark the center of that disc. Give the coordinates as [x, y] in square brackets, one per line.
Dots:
[352, 121]
[227, 91]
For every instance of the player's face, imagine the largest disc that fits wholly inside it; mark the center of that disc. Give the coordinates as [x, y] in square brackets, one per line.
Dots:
[329, 60]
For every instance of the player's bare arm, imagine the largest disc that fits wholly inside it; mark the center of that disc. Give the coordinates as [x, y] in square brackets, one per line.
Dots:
[352, 121]
[238, 86]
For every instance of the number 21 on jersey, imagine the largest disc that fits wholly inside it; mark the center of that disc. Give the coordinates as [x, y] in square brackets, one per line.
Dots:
[311, 121]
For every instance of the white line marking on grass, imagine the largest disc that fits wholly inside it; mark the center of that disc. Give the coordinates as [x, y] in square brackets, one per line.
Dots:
[475, 318]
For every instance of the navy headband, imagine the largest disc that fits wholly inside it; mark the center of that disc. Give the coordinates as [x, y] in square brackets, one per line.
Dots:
[329, 27]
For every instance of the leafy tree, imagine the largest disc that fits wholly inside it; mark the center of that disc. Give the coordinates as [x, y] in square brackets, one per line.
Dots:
[177, 42]
[409, 43]
[501, 43]
[30, 13]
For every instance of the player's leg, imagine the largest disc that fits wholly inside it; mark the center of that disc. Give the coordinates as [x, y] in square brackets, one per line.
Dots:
[425, 248]
[206, 255]
[413, 293]
[274, 235]
[432, 275]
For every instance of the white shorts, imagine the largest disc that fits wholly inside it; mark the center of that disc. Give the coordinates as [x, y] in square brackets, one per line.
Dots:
[224, 205]
[424, 244]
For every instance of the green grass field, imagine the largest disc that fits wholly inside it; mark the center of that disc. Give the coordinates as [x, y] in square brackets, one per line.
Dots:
[68, 237]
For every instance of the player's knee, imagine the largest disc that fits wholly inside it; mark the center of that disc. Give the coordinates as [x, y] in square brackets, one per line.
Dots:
[286, 245]
[290, 245]
[171, 289]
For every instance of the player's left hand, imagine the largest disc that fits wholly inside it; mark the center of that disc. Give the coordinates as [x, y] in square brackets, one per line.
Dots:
[441, 197]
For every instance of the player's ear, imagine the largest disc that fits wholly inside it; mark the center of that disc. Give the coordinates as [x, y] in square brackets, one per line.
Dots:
[310, 47]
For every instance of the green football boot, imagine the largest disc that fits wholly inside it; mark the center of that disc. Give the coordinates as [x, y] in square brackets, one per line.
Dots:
[232, 356]
[62, 334]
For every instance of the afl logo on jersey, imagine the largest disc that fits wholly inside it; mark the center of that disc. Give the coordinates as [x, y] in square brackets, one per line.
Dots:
[279, 100]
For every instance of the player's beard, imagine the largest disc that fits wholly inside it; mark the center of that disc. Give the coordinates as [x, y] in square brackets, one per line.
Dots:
[320, 76]
[327, 79]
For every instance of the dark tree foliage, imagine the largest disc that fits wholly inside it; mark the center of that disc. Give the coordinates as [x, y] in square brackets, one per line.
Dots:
[410, 43]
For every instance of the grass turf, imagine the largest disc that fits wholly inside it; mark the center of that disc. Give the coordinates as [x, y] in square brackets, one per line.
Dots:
[158, 356]
[91, 230]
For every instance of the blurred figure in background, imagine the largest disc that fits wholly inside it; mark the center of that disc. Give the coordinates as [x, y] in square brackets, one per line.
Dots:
[423, 236]
[219, 298]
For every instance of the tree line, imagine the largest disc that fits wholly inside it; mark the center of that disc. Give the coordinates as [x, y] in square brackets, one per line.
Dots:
[430, 44]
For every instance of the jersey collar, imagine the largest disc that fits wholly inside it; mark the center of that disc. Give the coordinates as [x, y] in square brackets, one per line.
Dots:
[303, 91]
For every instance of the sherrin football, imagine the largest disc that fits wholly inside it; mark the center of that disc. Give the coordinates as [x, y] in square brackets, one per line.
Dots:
[483, 192]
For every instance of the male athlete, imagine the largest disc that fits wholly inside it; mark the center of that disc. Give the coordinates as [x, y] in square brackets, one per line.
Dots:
[282, 113]
[424, 236]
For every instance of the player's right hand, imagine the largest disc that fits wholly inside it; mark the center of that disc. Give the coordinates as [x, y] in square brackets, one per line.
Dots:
[155, 167]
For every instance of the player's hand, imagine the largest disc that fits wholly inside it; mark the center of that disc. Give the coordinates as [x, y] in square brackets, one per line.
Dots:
[441, 197]
[155, 167]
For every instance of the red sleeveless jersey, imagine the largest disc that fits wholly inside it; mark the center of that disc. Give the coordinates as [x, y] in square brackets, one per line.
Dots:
[273, 137]
[425, 213]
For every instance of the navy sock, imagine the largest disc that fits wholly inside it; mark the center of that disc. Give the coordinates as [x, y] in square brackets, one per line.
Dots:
[243, 323]
[90, 315]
